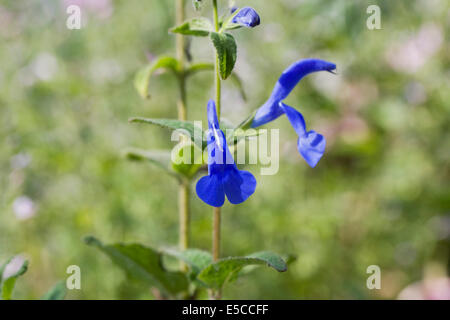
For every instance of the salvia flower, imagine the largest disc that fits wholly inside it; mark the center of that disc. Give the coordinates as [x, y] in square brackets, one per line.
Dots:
[246, 17]
[311, 145]
[223, 177]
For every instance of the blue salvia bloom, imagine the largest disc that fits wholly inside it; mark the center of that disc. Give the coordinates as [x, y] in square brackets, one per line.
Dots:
[246, 17]
[311, 145]
[223, 177]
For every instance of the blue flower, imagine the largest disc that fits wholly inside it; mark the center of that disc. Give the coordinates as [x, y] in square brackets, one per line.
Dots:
[246, 17]
[223, 177]
[311, 145]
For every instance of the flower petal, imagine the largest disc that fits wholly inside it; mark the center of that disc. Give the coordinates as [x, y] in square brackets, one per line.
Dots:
[210, 190]
[247, 17]
[296, 72]
[267, 113]
[213, 121]
[295, 118]
[312, 147]
[286, 83]
[219, 156]
[238, 185]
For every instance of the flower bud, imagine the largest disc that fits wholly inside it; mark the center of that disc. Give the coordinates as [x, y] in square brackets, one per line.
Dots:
[247, 17]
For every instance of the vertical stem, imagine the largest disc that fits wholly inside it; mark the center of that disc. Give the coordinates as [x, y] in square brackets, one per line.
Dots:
[216, 211]
[218, 84]
[183, 194]
[183, 201]
[179, 38]
[216, 233]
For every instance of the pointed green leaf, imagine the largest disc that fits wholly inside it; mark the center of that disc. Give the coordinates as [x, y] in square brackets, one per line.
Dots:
[143, 264]
[57, 292]
[217, 274]
[142, 79]
[8, 281]
[271, 259]
[199, 27]
[198, 67]
[186, 127]
[196, 259]
[227, 52]
[159, 158]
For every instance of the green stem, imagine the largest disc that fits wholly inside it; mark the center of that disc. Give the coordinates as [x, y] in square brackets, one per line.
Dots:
[183, 198]
[217, 211]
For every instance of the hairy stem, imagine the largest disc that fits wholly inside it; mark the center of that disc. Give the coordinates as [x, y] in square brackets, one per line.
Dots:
[184, 190]
[216, 211]
[183, 200]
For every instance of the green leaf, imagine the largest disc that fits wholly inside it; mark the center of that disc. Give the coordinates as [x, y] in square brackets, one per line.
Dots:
[217, 274]
[198, 27]
[271, 259]
[193, 132]
[227, 52]
[142, 78]
[7, 284]
[57, 292]
[143, 264]
[196, 259]
[198, 67]
[159, 158]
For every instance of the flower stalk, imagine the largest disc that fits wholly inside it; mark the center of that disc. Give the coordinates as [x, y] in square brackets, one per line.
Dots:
[184, 189]
[216, 211]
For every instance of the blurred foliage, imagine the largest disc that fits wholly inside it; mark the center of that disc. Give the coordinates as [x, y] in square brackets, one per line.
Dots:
[380, 195]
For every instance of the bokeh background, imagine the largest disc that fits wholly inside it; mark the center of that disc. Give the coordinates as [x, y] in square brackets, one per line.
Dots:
[380, 196]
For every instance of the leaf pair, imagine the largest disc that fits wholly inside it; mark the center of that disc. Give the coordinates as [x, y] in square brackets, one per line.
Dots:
[145, 264]
[191, 150]
[224, 43]
[163, 159]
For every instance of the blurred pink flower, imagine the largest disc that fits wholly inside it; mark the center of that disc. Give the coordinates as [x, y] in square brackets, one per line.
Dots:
[101, 8]
[24, 208]
[430, 289]
[410, 55]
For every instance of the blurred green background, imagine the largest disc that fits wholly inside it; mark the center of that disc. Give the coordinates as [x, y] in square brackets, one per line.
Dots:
[380, 196]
